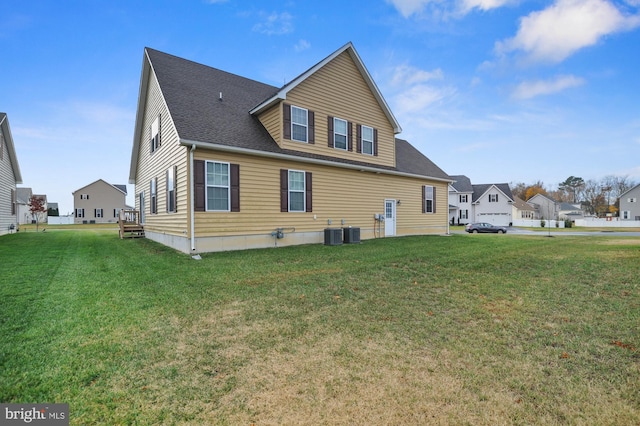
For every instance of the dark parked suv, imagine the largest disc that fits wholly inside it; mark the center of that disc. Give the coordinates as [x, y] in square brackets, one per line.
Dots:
[485, 227]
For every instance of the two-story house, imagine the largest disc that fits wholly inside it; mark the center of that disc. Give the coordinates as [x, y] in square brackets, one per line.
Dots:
[630, 204]
[9, 177]
[469, 203]
[222, 162]
[460, 200]
[99, 202]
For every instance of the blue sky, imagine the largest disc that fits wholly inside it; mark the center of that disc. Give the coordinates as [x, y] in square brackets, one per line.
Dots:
[498, 90]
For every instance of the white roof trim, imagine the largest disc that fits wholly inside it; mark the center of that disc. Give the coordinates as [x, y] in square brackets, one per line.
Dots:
[282, 93]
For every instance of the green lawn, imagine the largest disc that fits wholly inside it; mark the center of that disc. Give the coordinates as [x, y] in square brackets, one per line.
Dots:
[465, 329]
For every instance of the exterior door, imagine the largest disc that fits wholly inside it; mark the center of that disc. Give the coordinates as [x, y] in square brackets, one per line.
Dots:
[389, 218]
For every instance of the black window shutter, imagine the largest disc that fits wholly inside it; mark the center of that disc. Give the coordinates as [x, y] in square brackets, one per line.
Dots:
[434, 200]
[375, 142]
[175, 189]
[359, 138]
[166, 178]
[199, 185]
[284, 190]
[235, 187]
[286, 115]
[312, 128]
[350, 135]
[330, 131]
[308, 192]
[424, 199]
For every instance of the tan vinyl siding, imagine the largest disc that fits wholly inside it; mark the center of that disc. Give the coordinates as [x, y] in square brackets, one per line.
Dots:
[155, 165]
[337, 90]
[337, 194]
[103, 196]
[272, 121]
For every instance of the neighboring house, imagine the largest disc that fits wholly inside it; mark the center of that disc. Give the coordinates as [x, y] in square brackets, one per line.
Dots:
[545, 207]
[9, 177]
[492, 203]
[23, 199]
[99, 202]
[569, 211]
[468, 203]
[461, 200]
[221, 162]
[630, 204]
[522, 209]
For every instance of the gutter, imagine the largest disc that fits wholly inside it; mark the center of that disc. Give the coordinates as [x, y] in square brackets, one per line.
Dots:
[192, 221]
[237, 150]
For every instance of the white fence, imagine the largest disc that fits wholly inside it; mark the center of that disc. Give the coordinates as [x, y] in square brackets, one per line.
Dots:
[615, 222]
[534, 223]
[60, 220]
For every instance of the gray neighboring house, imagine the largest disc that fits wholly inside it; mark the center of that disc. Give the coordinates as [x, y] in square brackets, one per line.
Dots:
[99, 202]
[546, 208]
[630, 204]
[468, 203]
[23, 195]
[9, 177]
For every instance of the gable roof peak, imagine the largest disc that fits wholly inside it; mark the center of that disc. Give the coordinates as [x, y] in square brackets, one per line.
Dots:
[350, 49]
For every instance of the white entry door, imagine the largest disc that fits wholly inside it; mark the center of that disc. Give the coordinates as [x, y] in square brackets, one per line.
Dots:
[389, 218]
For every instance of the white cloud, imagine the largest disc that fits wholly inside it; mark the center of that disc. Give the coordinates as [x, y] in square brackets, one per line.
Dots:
[445, 9]
[531, 89]
[301, 45]
[409, 7]
[418, 98]
[468, 5]
[406, 75]
[555, 33]
[275, 24]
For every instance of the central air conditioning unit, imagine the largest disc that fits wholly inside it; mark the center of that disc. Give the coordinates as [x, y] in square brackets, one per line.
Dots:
[332, 236]
[351, 235]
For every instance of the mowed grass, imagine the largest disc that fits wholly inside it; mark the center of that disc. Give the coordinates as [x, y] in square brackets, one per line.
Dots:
[466, 329]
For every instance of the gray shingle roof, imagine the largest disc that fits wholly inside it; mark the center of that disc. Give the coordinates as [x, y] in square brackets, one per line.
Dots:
[192, 93]
[479, 190]
[462, 183]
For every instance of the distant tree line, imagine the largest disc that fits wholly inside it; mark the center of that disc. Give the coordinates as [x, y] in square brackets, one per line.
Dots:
[595, 197]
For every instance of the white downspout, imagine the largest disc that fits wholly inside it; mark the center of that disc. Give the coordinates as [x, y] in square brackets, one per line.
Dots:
[192, 223]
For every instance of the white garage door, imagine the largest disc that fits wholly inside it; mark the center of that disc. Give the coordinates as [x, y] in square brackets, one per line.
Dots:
[499, 219]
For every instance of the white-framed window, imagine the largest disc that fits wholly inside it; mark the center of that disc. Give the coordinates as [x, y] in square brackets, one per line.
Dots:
[631, 200]
[154, 196]
[367, 140]
[297, 191]
[115, 213]
[340, 133]
[493, 198]
[429, 202]
[299, 124]
[155, 134]
[464, 198]
[464, 214]
[79, 212]
[84, 196]
[626, 214]
[98, 213]
[217, 186]
[171, 189]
